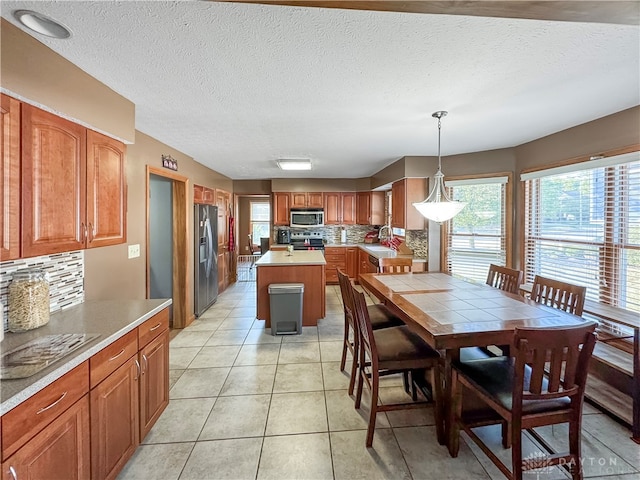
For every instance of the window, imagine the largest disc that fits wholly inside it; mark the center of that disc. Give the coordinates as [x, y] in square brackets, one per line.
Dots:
[481, 233]
[582, 225]
[260, 213]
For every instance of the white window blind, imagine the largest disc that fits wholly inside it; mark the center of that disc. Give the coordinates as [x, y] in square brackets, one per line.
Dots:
[259, 221]
[583, 227]
[477, 236]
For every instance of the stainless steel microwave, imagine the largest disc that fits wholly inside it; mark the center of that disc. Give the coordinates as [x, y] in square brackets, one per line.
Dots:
[307, 217]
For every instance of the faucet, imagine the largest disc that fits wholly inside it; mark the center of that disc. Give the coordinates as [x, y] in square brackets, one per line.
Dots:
[389, 232]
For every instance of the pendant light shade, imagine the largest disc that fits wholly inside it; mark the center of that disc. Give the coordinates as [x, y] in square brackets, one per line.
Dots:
[438, 207]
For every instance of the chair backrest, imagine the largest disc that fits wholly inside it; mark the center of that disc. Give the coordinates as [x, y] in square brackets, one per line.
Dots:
[556, 294]
[252, 250]
[347, 299]
[365, 330]
[558, 359]
[264, 245]
[394, 264]
[504, 278]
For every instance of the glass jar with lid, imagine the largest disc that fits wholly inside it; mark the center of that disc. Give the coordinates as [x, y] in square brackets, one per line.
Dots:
[28, 300]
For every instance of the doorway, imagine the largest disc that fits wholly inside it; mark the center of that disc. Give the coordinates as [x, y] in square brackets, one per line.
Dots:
[167, 241]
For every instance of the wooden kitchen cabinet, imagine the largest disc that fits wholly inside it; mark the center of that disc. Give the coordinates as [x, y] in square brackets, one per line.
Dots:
[106, 191]
[204, 195]
[404, 193]
[154, 380]
[352, 262]
[306, 200]
[115, 433]
[73, 186]
[335, 258]
[370, 208]
[60, 451]
[10, 179]
[339, 208]
[281, 202]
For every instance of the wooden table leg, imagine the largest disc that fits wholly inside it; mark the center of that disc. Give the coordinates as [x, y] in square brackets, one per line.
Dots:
[452, 355]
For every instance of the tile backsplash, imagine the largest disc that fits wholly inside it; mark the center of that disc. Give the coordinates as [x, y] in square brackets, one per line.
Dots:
[66, 279]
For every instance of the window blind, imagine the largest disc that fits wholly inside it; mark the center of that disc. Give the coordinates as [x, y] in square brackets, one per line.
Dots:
[477, 236]
[583, 227]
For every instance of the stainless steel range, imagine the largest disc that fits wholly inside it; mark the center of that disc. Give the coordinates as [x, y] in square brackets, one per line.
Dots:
[307, 240]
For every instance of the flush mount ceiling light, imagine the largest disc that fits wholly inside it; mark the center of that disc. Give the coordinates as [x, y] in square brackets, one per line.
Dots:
[294, 163]
[42, 24]
[438, 206]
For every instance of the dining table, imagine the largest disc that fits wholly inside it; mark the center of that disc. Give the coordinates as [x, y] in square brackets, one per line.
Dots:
[450, 313]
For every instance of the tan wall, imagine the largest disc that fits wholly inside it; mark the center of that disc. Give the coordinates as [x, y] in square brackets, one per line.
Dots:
[320, 184]
[36, 74]
[108, 272]
[252, 186]
[389, 174]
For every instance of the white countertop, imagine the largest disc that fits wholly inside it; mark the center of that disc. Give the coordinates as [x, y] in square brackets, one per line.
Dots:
[111, 319]
[298, 257]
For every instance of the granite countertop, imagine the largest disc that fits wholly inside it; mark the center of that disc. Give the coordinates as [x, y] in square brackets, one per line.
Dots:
[377, 250]
[111, 319]
[299, 257]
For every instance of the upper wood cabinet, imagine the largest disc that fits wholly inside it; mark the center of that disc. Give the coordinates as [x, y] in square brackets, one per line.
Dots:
[370, 208]
[339, 208]
[106, 191]
[404, 193]
[204, 195]
[306, 199]
[10, 179]
[73, 192]
[281, 206]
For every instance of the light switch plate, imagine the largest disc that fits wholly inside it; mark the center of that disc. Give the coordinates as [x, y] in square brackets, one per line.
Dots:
[134, 250]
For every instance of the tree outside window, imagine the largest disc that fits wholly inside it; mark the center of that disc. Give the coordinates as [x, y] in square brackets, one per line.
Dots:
[260, 226]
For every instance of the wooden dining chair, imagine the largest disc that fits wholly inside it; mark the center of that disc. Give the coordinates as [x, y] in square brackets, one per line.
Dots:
[394, 264]
[557, 294]
[543, 384]
[504, 278]
[379, 314]
[388, 351]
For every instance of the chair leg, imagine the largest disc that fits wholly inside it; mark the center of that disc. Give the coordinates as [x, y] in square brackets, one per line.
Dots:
[361, 374]
[355, 362]
[575, 449]
[516, 450]
[345, 344]
[506, 434]
[374, 409]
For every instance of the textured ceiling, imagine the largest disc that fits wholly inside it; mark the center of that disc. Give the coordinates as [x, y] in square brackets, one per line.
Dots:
[237, 86]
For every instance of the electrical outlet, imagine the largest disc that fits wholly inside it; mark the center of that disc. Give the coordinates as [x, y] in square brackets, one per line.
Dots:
[134, 250]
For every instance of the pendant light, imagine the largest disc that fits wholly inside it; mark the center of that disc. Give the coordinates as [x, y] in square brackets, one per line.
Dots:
[438, 206]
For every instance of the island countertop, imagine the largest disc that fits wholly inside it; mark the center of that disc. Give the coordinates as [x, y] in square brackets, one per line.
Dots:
[299, 257]
[111, 319]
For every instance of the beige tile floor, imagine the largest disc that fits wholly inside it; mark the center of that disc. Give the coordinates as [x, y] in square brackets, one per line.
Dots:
[247, 405]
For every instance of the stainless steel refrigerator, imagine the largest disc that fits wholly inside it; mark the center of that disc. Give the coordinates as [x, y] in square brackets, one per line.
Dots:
[206, 257]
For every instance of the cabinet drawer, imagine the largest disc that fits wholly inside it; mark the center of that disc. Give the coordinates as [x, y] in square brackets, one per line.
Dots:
[329, 251]
[335, 258]
[153, 327]
[31, 416]
[110, 358]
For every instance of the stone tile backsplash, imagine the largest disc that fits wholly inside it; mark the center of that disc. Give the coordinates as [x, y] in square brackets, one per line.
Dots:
[66, 279]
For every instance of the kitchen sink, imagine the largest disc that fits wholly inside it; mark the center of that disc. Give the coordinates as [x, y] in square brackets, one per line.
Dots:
[35, 355]
[378, 248]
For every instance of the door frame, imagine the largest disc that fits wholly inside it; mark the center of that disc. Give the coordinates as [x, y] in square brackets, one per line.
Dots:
[182, 313]
[236, 232]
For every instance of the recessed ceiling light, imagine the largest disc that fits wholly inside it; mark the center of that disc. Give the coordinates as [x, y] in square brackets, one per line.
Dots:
[294, 164]
[41, 24]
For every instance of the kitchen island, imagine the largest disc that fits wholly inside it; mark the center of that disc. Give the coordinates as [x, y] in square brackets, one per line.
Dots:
[302, 266]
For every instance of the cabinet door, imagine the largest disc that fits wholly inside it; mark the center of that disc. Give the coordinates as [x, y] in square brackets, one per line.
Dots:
[222, 271]
[154, 384]
[281, 208]
[10, 179]
[352, 262]
[398, 204]
[332, 208]
[314, 200]
[198, 194]
[348, 216]
[377, 208]
[53, 183]
[363, 208]
[298, 199]
[115, 421]
[106, 191]
[60, 451]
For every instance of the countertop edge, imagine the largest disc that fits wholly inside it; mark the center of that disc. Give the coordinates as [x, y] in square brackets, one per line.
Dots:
[66, 365]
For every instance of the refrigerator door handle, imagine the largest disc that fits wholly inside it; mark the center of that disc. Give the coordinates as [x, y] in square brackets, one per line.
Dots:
[209, 245]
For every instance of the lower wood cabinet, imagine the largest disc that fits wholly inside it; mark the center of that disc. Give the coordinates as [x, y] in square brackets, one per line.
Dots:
[115, 432]
[154, 381]
[336, 259]
[352, 262]
[60, 451]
